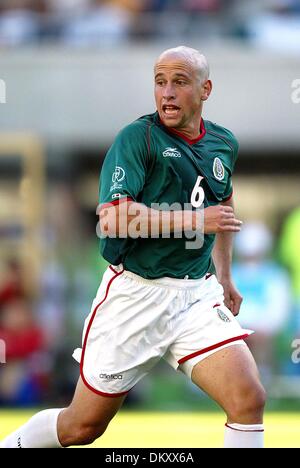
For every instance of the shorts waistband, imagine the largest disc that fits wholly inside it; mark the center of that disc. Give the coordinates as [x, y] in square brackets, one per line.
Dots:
[165, 281]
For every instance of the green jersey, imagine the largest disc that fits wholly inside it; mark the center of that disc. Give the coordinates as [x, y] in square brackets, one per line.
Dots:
[152, 164]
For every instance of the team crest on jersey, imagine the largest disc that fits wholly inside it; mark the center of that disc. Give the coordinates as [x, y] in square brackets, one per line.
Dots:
[223, 316]
[171, 153]
[219, 171]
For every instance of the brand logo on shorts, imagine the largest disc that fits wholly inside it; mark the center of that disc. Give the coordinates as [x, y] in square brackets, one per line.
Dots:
[219, 171]
[171, 153]
[111, 376]
[223, 316]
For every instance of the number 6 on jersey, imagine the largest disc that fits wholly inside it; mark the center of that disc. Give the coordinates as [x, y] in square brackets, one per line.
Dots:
[198, 195]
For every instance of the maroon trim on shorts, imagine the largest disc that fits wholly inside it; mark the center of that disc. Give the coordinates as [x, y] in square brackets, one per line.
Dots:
[211, 348]
[97, 392]
[109, 395]
[115, 271]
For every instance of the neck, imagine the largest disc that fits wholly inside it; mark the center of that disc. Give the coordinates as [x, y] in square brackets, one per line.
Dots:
[200, 134]
[192, 130]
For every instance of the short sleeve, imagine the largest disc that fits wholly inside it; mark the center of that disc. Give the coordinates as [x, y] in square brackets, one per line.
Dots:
[125, 166]
[228, 193]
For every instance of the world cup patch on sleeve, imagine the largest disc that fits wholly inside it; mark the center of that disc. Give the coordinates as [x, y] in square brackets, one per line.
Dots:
[117, 177]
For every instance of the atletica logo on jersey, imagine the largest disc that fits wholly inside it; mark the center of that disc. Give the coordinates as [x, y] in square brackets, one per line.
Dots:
[219, 171]
[171, 153]
[117, 177]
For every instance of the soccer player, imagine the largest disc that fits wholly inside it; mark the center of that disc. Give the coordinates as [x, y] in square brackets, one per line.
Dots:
[157, 299]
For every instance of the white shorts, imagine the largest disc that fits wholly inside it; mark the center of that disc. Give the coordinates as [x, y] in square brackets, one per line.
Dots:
[135, 322]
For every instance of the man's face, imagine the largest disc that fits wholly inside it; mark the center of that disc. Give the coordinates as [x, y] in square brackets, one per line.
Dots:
[178, 93]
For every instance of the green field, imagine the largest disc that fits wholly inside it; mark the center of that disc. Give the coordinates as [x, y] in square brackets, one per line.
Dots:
[167, 430]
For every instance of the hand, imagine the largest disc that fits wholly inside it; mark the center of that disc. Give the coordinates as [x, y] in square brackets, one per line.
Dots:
[220, 218]
[232, 298]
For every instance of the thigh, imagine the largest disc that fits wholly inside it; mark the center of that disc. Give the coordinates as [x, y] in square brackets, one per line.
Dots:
[204, 327]
[90, 409]
[125, 335]
[226, 373]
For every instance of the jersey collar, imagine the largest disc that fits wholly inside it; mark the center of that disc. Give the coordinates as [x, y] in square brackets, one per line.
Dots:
[185, 138]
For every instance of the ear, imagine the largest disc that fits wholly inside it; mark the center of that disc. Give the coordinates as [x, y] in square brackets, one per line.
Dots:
[206, 90]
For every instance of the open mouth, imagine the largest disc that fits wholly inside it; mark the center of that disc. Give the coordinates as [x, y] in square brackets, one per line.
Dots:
[170, 110]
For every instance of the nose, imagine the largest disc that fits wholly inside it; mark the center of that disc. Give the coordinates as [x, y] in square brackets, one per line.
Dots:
[169, 91]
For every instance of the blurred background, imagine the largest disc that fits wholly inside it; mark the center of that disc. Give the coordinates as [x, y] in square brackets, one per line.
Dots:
[76, 72]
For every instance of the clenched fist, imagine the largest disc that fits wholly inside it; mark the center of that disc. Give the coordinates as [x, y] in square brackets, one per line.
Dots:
[220, 218]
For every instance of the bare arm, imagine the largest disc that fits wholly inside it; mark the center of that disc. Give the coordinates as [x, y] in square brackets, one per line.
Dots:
[131, 219]
[128, 219]
[222, 257]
